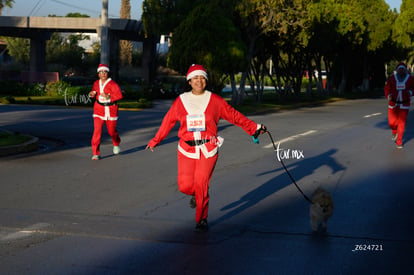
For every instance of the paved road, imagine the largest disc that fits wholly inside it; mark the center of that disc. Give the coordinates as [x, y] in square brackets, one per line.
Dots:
[61, 213]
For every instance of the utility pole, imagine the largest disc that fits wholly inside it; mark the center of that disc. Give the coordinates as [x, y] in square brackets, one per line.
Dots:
[104, 33]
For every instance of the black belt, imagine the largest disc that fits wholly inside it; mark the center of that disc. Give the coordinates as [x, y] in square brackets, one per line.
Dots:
[399, 102]
[107, 104]
[196, 142]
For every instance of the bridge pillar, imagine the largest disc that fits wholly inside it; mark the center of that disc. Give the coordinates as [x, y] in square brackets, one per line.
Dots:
[37, 54]
[114, 55]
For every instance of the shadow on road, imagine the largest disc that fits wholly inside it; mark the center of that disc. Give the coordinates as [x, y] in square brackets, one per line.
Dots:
[298, 170]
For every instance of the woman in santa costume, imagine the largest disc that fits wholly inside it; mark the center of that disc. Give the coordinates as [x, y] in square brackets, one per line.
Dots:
[199, 112]
[398, 91]
[105, 110]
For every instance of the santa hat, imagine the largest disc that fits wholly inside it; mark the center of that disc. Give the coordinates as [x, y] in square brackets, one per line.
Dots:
[401, 65]
[103, 67]
[196, 70]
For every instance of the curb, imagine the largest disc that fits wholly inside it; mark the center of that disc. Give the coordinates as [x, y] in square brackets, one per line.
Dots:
[26, 147]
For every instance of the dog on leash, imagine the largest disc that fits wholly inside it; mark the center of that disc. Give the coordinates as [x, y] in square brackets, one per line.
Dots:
[321, 209]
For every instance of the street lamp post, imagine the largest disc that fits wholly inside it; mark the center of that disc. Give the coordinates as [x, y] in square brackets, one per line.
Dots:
[104, 33]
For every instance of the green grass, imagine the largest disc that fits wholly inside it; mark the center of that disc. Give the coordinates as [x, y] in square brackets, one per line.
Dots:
[8, 138]
[270, 102]
[70, 101]
[249, 106]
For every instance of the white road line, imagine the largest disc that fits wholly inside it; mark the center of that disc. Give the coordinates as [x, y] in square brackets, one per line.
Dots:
[291, 138]
[25, 232]
[371, 115]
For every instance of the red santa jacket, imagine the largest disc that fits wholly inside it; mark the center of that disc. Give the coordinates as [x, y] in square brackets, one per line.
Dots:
[200, 124]
[400, 91]
[106, 109]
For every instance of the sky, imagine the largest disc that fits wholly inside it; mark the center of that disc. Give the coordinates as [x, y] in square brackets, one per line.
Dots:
[62, 7]
[89, 7]
[394, 4]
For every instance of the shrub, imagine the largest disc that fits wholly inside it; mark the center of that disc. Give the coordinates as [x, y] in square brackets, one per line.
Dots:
[37, 89]
[8, 99]
[58, 88]
[144, 103]
[15, 88]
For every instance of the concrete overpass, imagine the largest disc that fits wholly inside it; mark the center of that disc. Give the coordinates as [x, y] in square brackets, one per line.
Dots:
[39, 30]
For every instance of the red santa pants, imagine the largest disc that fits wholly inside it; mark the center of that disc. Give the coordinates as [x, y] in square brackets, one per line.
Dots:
[397, 118]
[194, 177]
[97, 133]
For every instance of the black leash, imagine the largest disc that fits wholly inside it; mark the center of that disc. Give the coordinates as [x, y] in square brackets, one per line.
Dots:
[287, 171]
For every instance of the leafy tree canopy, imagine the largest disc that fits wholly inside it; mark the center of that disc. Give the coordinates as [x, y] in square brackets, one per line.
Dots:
[207, 36]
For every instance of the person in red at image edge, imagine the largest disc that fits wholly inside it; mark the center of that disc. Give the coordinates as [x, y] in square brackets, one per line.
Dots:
[199, 112]
[398, 91]
[105, 110]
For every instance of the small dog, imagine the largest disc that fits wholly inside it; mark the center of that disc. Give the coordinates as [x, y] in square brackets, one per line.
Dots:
[321, 208]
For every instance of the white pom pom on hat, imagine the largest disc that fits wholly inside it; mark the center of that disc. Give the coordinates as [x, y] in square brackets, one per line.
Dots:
[103, 67]
[195, 70]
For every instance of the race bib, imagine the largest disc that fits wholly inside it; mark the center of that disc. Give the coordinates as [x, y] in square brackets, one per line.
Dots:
[400, 86]
[103, 99]
[196, 123]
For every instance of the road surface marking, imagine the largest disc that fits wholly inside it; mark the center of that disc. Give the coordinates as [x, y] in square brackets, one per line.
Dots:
[25, 232]
[291, 138]
[371, 115]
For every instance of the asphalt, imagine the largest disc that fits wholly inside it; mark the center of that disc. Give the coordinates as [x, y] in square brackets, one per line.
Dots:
[62, 213]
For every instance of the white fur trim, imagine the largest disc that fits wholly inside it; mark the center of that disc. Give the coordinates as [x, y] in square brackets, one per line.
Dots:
[102, 68]
[186, 97]
[197, 72]
[401, 67]
[105, 118]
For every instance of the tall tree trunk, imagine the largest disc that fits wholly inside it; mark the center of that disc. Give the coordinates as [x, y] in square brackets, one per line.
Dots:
[343, 84]
[234, 91]
[365, 74]
[237, 98]
[125, 45]
[149, 59]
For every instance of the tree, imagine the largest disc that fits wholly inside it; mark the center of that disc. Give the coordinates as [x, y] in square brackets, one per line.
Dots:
[350, 36]
[67, 52]
[347, 34]
[272, 30]
[350, 39]
[6, 3]
[76, 14]
[251, 21]
[160, 17]
[125, 45]
[208, 36]
[156, 15]
[379, 20]
[285, 27]
[403, 30]
[58, 50]
[19, 49]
